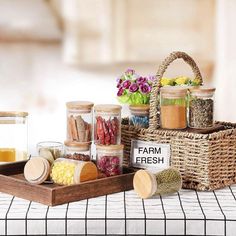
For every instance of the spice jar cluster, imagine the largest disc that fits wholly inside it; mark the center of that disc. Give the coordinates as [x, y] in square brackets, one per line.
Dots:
[72, 162]
[182, 107]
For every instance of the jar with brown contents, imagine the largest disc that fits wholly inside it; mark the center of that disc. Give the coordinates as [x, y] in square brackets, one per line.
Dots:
[173, 107]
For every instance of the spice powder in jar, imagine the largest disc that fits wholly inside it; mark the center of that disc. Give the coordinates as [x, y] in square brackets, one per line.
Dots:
[173, 107]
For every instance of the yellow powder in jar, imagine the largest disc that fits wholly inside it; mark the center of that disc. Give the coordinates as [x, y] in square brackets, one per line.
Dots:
[173, 117]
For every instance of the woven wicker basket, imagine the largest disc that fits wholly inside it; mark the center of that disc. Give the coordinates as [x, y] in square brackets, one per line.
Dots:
[206, 161]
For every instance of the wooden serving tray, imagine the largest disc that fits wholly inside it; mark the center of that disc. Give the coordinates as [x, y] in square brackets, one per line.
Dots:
[12, 181]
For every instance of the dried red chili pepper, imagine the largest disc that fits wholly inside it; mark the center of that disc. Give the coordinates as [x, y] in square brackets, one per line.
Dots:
[113, 138]
[99, 131]
[106, 132]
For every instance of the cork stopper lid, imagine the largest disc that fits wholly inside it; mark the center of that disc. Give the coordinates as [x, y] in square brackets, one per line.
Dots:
[204, 90]
[139, 109]
[36, 170]
[108, 108]
[80, 105]
[145, 184]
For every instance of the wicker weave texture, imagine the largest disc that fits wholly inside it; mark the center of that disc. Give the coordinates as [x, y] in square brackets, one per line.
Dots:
[206, 161]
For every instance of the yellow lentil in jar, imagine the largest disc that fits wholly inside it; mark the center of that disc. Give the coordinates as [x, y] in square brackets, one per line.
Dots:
[63, 173]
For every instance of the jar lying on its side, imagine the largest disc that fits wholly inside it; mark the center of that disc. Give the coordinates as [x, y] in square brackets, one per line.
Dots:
[110, 159]
[147, 184]
[67, 172]
[79, 121]
[201, 107]
[107, 124]
[78, 151]
[139, 116]
[173, 107]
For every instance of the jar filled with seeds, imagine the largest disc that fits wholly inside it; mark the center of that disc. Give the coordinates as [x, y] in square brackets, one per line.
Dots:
[139, 116]
[79, 121]
[107, 130]
[110, 159]
[173, 107]
[201, 107]
[78, 151]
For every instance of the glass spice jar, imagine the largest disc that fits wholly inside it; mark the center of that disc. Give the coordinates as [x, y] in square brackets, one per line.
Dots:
[79, 121]
[110, 159]
[107, 124]
[147, 184]
[139, 115]
[78, 151]
[50, 148]
[173, 107]
[201, 107]
[13, 136]
[67, 172]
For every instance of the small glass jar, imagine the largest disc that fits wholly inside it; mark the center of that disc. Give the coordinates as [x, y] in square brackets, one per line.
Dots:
[147, 184]
[67, 172]
[56, 149]
[139, 116]
[107, 124]
[79, 121]
[13, 136]
[173, 107]
[78, 151]
[110, 159]
[201, 107]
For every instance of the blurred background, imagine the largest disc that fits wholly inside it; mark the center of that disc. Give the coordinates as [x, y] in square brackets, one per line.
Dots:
[53, 51]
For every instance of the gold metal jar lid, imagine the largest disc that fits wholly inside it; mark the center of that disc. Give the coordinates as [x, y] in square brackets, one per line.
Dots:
[117, 147]
[108, 108]
[13, 114]
[79, 105]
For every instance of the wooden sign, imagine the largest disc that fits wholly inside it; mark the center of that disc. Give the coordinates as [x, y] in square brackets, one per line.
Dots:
[150, 155]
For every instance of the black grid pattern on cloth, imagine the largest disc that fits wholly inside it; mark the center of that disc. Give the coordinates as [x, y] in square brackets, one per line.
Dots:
[187, 212]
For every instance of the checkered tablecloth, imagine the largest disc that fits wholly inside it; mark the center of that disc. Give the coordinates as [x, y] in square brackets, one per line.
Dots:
[185, 213]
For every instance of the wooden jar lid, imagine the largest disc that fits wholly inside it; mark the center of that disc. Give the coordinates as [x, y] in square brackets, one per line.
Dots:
[80, 105]
[85, 171]
[108, 108]
[37, 170]
[13, 114]
[117, 147]
[82, 146]
[145, 184]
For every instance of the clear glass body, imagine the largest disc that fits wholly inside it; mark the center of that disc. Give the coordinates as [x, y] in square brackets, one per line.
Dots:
[139, 119]
[107, 128]
[201, 110]
[79, 152]
[79, 125]
[173, 110]
[109, 161]
[13, 137]
[55, 148]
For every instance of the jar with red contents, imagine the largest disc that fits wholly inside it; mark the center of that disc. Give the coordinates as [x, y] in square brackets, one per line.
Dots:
[107, 130]
[110, 159]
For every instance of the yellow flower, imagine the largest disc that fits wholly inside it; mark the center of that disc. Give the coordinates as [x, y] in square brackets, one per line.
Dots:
[181, 80]
[166, 81]
[196, 82]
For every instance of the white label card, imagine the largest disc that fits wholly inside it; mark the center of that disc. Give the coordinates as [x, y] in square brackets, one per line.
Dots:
[150, 155]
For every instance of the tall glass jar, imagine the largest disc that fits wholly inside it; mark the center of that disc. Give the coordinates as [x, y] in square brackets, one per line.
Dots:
[173, 107]
[79, 121]
[107, 124]
[110, 159]
[13, 136]
[201, 107]
[139, 115]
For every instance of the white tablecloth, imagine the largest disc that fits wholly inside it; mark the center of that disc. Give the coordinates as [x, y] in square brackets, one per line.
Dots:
[185, 213]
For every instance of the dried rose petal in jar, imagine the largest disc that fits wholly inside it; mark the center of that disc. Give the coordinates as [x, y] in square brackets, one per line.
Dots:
[107, 130]
[110, 159]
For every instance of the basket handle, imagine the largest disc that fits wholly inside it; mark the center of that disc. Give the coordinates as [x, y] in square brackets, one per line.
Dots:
[153, 116]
